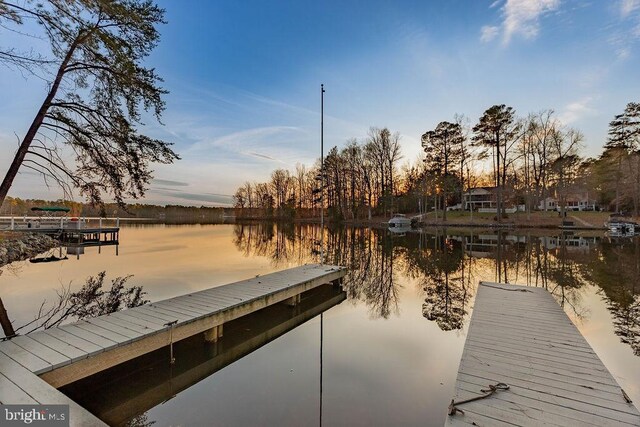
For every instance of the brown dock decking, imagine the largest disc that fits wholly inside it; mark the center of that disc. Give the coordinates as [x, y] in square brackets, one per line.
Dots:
[520, 336]
[71, 352]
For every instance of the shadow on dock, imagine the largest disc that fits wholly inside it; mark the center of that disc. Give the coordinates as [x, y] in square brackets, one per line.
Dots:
[126, 391]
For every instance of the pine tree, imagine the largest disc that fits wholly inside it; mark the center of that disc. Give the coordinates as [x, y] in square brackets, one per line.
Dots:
[96, 96]
[499, 130]
[444, 150]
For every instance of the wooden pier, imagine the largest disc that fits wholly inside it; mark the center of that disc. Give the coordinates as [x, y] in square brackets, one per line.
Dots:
[104, 395]
[49, 359]
[97, 235]
[521, 337]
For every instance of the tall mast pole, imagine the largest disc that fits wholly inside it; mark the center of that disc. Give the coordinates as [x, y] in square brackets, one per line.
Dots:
[322, 174]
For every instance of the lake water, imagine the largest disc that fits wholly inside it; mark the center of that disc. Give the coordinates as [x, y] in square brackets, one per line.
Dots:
[383, 352]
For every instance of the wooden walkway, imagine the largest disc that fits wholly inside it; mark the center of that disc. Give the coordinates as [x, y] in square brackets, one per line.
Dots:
[114, 404]
[18, 385]
[71, 352]
[520, 336]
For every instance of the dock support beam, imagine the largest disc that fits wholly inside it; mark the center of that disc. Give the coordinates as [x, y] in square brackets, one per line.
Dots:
[213, 334]
[293, 301]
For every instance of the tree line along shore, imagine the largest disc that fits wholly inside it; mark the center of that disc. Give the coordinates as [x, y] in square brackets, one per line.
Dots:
[528, 163]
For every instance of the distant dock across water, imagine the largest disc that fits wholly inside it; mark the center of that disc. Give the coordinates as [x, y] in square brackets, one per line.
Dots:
[33, 366]
[525, 363]
[75, 233]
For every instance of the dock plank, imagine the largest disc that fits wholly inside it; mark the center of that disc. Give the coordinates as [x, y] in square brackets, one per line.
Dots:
[190, 306]
[85, 330]
[41, 392]
[81, 343]
[177, 308]
[156, 315]
[45, 353]
[171, 314]
[121, 327]
[9, 392]
[56, 344]
[137, 318]
[24, 357]
[520, 336]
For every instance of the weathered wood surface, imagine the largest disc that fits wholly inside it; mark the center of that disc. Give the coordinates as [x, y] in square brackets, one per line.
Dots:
[18, 385]
[143, 392]
[71, 352]
[520, 336]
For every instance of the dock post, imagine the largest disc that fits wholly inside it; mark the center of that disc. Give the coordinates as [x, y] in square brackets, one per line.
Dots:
[13, 225]
[61, 223]
[213, 334]
[100, 224]
[118, 222]
[293, 301]
[172, 359]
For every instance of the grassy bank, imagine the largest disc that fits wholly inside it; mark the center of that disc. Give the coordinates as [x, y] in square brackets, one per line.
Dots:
[519, 219]
[583, 220]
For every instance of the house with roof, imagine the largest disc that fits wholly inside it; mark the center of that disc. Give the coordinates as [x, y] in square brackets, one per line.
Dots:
[480, 198]
[578, 201]
[548, 204]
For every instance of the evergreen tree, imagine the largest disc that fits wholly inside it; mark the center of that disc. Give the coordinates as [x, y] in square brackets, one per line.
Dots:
[623, 140]
[444, 151]
[96, 95]
[498, 130]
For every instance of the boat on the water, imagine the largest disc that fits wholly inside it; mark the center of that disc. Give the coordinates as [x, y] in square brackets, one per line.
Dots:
[399, 221]
[622, 225]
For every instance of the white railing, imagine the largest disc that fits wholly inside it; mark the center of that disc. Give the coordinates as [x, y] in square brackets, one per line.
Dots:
[37, 222]
[495, 210]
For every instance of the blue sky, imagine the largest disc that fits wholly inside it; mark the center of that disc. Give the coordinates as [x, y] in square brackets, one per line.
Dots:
[244, 78]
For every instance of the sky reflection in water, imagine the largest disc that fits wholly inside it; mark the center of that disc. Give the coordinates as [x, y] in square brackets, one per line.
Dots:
[391, 350]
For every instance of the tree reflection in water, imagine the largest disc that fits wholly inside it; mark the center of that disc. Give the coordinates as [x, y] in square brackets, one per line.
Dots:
[448, 266]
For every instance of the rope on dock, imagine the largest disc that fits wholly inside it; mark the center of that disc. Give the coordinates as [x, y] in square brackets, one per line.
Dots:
[504, 289]
[492, 389]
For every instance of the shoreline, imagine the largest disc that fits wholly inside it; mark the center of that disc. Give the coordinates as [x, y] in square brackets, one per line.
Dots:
[18, 246]
[381, 222]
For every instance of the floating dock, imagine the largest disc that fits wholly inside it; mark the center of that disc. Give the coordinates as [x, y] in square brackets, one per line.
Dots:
[34, 365]
[104, 395]
[98, 235]
[520, 337]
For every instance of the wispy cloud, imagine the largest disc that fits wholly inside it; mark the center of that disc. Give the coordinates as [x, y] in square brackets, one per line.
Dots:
[263, 156]
[197, 198]
[627, 7]
[243, 138]
[170, 183]
[576, 110]
[519, 17]
[488, 33]
[626, 31]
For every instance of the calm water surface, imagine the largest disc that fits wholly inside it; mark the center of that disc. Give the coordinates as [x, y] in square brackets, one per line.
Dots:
[387, 348]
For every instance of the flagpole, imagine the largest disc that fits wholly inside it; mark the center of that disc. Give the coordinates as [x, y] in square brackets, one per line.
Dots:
[322, 174]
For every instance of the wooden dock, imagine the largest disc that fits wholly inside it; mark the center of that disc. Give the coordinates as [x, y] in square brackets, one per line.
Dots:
[104, 395]
[520, 336]
[68, 353]
[66, 234]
